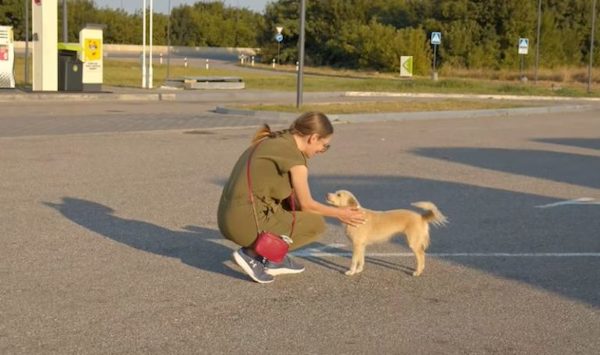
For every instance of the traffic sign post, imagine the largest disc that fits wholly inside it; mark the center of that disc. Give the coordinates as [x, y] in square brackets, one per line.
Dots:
[279, 39]
[436, 39]
[523, 50]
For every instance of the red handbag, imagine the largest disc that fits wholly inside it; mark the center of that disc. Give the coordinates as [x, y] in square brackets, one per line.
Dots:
[269, 245]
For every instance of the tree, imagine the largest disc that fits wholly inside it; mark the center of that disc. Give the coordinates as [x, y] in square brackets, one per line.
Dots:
[12, 13]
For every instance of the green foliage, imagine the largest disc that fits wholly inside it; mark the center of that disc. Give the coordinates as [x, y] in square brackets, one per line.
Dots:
[476, 34]
[12, 13]
[203, 24]
[359, 34]
[215, 25]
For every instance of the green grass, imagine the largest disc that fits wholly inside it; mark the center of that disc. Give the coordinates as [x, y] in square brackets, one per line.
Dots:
[385, 106]
[128, 74]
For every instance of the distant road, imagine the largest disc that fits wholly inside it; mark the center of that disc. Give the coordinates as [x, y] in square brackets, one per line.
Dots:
[133, 51]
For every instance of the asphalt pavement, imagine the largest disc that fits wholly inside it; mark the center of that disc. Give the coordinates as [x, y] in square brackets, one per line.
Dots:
[110, 244]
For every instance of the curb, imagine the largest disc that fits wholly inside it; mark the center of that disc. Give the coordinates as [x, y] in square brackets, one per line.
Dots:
[467, 96]
[263, 114]
[413, 116]
[62, 97]
[437, 115]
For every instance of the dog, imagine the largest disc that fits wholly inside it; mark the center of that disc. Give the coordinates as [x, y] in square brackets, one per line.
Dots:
[381, 226]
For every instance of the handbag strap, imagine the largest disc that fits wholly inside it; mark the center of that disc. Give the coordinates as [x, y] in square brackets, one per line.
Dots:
[251, 194]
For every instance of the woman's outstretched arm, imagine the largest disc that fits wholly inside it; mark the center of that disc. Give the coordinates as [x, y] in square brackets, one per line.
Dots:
[299, 174]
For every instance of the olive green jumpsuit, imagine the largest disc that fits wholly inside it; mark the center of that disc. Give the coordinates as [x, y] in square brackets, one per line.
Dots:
[271, 184]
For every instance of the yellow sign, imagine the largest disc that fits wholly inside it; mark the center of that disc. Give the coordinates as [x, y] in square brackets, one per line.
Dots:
[92, 49]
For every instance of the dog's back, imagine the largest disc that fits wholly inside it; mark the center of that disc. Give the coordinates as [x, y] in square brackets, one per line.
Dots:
[382, 225]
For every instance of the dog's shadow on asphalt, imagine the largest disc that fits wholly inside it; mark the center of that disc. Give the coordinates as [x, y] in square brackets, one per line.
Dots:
[195, 246]
[325, 262]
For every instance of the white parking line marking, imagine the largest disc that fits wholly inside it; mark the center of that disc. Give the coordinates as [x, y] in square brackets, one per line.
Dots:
[317, 253]
[322, 252]
[577, 201]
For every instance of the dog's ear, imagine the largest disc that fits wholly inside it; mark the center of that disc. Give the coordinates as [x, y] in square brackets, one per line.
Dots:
[352, 202]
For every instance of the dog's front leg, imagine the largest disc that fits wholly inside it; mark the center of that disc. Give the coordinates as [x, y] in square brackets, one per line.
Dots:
[358, 258]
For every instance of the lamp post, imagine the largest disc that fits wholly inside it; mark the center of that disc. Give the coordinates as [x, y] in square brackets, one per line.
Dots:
[65, 22]
[537, 40]
[144, 78]
[279, 29]
[169, 42]
[150, 68]
[589, 86]
[299, 86]
[26, 74]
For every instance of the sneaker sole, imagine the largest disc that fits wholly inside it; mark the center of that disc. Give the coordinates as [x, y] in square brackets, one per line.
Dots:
[242, 263]
[276, 272]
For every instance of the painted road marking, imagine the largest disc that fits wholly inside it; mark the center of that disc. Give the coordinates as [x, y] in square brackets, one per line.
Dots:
[316, 253]
[322, 252]
[577, 201]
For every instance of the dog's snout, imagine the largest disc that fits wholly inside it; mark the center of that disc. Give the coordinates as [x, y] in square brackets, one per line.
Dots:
[331, 198]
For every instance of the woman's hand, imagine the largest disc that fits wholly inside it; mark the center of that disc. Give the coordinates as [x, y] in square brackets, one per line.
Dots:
[351, 216]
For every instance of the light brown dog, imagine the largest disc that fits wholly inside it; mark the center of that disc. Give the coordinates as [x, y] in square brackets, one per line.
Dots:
[381, 226]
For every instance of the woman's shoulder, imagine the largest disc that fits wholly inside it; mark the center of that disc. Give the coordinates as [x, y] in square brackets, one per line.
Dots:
[281, 141]
[283, 146]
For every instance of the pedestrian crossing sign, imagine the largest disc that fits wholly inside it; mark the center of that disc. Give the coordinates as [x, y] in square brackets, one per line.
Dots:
[523, 45]
[436, 37]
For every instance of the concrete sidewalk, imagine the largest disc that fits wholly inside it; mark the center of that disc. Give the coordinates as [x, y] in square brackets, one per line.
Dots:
[110, 93]
[133, 109]
[113, 93]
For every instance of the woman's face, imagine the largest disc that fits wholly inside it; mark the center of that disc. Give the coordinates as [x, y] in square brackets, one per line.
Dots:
[316, 145]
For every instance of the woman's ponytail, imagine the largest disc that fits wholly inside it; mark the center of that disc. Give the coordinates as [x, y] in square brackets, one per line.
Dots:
[262, 133]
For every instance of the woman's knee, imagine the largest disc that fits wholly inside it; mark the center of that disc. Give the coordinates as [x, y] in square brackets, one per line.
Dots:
[319, 225]
[310, 229]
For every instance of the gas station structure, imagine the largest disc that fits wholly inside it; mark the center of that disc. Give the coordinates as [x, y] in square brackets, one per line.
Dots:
[50, 70]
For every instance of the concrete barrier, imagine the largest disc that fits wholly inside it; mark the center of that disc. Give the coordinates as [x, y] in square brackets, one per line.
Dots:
[206, 82]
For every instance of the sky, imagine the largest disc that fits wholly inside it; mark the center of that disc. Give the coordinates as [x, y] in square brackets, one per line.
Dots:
[163, 5]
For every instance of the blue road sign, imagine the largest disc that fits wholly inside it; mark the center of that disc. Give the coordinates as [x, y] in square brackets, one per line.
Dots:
[436, 37]
[279, 37]
[523, 45]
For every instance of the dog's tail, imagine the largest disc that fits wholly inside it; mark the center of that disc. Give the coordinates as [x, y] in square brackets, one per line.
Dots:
[433, 215]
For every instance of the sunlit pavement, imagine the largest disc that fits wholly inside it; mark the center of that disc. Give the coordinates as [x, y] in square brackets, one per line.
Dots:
[110, 242]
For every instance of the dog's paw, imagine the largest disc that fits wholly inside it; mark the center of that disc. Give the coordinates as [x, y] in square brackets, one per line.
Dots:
[350, 272]
[417, 273]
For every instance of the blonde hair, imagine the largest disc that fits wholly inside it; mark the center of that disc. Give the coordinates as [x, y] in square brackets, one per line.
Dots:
[306, 124]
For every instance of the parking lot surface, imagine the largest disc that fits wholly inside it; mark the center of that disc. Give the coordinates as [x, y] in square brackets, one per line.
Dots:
[110, 244]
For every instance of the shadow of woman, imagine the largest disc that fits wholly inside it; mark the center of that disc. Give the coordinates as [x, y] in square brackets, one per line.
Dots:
[195, 246]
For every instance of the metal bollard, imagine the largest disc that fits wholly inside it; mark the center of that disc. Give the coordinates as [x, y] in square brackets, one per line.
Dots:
[206, 63]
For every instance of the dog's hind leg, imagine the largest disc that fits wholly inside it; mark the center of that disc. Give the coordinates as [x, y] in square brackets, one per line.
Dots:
[419, 250]
[358, 259]
[420, 254]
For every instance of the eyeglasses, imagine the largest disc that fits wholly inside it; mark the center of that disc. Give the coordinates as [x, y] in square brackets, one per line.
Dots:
[325, 148]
